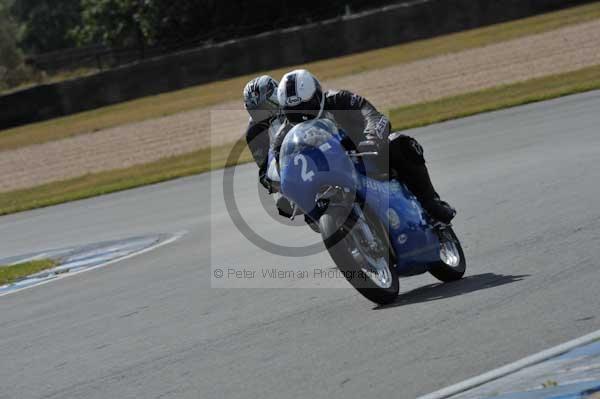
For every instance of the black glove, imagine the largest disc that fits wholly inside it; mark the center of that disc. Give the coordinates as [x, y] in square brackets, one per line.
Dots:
[266, 183]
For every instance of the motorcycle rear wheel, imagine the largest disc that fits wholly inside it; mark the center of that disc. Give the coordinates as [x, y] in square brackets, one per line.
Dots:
[452, 264]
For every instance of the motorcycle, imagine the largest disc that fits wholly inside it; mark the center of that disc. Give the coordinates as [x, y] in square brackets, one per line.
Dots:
[373, 227]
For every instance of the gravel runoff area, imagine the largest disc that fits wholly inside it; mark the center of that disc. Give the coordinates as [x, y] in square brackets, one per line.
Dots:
[558, 51]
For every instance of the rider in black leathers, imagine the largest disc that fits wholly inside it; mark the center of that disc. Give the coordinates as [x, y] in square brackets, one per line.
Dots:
[300, 98]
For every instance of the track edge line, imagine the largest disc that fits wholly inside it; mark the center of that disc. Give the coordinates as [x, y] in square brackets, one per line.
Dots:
[512, 367]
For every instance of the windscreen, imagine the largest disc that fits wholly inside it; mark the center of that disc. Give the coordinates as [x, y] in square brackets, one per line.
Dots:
[310, 134]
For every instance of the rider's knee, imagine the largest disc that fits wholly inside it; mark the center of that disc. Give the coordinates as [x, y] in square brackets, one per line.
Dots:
[407, 147]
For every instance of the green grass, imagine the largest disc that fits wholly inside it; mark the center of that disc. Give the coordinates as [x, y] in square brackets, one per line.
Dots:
[43, 78]
[213, 93]
[10, 274]
[496, 98]
[92, 185]
[209, 159]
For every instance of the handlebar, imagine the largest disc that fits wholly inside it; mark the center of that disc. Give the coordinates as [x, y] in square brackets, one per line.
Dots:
[362, 154]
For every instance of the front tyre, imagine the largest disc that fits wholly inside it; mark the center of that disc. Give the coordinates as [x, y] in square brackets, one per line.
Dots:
[452, 263]
[360, 247]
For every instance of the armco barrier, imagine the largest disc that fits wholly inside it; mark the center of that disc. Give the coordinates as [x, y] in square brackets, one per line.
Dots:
[359, 32]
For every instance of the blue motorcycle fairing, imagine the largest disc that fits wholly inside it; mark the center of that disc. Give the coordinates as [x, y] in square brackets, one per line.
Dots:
[312, 157]
[415, 243]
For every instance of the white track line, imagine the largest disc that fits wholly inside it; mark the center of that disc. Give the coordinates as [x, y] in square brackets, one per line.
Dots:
[69, 274]
[512, 367]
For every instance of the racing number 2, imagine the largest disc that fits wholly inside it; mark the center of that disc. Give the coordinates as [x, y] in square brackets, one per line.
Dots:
[307, 175]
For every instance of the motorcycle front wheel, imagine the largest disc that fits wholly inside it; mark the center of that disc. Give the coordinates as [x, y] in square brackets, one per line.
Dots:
[359, 245]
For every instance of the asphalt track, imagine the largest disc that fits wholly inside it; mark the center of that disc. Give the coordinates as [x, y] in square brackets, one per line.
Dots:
[526, 181]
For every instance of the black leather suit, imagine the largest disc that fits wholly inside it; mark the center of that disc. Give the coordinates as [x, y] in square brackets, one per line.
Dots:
[362, 122]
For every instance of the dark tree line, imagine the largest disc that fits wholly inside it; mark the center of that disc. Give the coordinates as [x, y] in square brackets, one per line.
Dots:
[13, 71]
[48, 25]
[45, 24]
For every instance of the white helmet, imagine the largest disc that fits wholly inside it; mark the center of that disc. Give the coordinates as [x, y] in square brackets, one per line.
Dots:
[300, 96]
[260, 98]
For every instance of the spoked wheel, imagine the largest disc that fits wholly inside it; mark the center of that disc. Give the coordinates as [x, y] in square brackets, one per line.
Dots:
[452, 263]
[360, 247]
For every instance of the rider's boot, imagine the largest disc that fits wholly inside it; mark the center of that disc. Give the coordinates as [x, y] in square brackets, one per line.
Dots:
[284, 207]
[420, 185]
[406, 160]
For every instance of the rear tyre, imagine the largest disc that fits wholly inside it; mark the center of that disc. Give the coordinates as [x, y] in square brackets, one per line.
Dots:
[342, 237]
[452, 264]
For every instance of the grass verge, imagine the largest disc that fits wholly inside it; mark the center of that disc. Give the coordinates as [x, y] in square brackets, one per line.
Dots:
[217, 92]
[92, 185]
[209, 159]
[59, 76]
[10, 274]
[496, 98]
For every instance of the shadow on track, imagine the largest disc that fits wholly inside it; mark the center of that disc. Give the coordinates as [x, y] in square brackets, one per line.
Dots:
[433, 292]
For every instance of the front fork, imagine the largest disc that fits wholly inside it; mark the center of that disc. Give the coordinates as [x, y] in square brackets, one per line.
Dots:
[365, 231]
